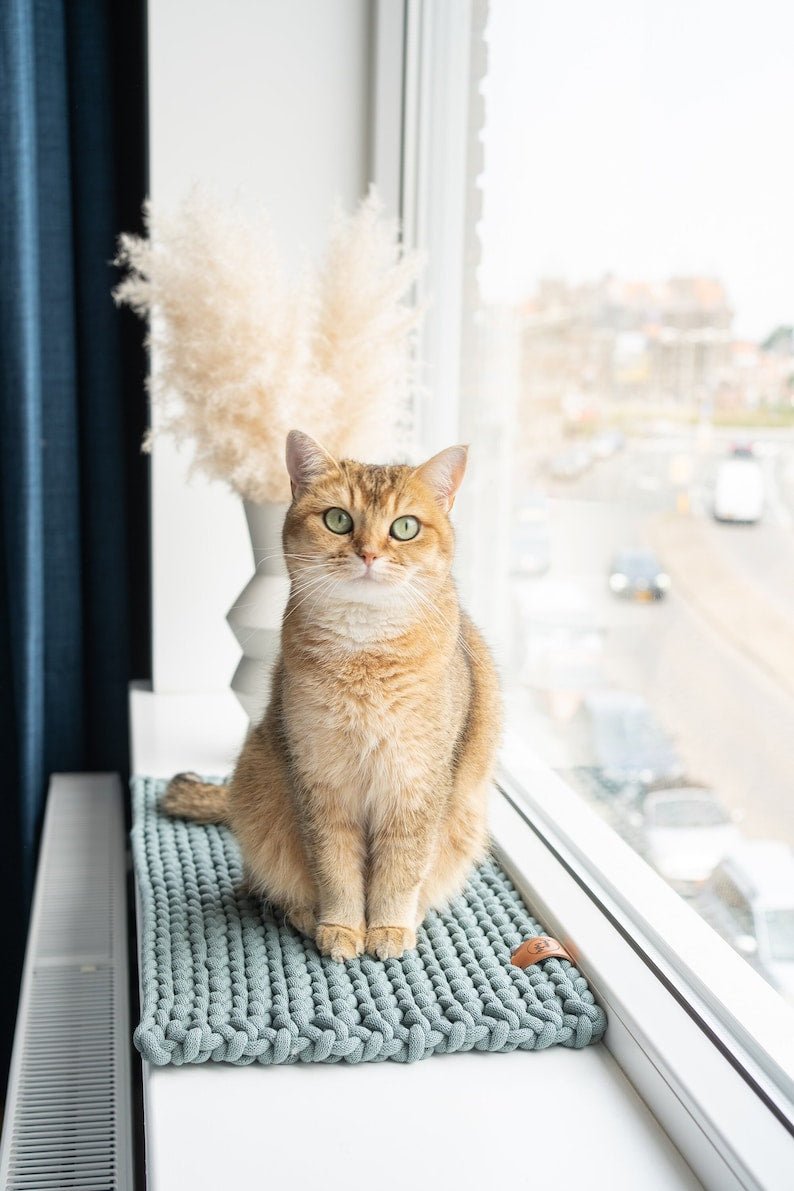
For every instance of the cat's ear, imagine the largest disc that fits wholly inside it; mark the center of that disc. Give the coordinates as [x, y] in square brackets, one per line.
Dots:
[306, 460]
[444, 473]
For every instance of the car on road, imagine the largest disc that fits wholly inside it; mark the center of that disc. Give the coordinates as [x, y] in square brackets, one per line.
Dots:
[742, 450]
[632, 753]
[749, 900]
[687, 831]
[638, 575]
[739, 490]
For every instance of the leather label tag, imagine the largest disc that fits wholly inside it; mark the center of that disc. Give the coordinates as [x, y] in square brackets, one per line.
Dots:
[534, 951]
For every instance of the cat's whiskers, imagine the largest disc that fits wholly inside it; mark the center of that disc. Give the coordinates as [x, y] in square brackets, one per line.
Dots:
[297, 557]
[247, 604]
[244, 642]
[306, 586]
[419, 612]
[309, 586]
[269, 552]
[313, 585]
[304, 559]
[296, 586]
[335, 584]
[434, 608]
[306, 568]
[301, 580]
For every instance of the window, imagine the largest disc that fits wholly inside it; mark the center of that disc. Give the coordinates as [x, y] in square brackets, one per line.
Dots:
[634, 298]
[617, 675]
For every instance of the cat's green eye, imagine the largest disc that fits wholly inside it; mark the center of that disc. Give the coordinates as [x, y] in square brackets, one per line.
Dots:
[338, 521]
[404, 528]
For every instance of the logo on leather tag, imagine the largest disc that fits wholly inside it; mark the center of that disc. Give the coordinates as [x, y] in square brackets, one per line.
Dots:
[534, 951]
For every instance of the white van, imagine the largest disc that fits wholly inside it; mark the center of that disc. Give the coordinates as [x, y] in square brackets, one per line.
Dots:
[739, 491]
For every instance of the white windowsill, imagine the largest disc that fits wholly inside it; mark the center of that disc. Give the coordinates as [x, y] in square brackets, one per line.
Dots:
[463, 1121]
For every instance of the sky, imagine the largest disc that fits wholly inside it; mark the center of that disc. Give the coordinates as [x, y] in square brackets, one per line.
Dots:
[643, 139]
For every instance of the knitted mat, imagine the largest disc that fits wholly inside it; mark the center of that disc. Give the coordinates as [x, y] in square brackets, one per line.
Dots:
[223, 978]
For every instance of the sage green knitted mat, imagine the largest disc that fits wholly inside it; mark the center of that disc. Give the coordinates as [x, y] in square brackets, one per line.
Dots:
[224, 979]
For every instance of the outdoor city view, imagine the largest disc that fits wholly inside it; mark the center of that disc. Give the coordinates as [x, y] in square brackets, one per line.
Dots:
[650, 288]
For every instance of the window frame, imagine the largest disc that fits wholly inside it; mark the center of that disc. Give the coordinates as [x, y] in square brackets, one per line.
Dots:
[731, 1000]
[712, 1102]
[705, 1041]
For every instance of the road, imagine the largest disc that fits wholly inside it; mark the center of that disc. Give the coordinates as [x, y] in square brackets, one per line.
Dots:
[731, 716]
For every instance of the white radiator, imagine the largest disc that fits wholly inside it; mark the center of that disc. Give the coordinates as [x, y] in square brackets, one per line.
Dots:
[68, 1117]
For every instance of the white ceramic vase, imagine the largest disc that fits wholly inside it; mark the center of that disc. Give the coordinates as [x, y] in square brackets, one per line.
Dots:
[255, 616]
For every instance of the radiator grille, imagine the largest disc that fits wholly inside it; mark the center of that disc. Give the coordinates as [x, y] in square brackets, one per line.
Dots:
[68, 1110]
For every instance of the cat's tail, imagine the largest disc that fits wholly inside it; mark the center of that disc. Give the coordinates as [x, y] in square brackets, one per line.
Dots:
[189, 797]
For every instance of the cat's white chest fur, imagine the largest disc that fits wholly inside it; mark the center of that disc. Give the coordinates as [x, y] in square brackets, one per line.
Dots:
[351, 626]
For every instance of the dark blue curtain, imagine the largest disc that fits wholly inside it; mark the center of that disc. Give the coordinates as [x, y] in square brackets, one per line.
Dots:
[74, 591]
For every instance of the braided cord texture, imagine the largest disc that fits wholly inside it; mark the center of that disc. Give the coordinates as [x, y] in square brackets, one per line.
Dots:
[223, 978]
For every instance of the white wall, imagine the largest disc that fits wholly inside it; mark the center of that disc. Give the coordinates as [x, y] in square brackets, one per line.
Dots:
[271, 96]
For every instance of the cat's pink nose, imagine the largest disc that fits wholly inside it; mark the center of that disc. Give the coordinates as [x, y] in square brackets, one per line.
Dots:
[368, 557]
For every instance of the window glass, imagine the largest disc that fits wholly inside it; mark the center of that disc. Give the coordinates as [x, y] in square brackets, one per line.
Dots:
[672, 811]
[780, 928]
[635, 296]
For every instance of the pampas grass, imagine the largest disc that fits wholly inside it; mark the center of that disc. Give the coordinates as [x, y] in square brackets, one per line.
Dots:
[243, 353]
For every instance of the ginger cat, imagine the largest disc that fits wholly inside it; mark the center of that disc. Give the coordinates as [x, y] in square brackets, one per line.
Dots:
[359, 801]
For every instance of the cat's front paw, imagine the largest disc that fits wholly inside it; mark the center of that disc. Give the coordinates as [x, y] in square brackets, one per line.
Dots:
[340, 942]
[389, 942]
